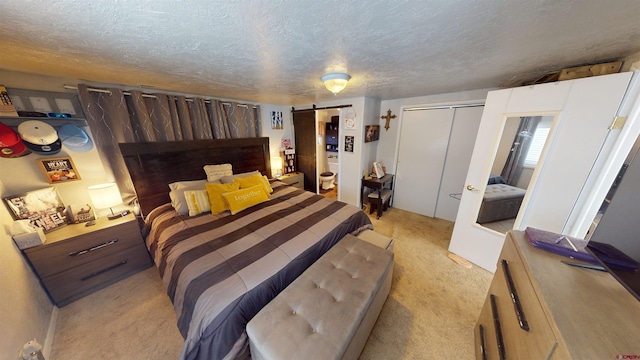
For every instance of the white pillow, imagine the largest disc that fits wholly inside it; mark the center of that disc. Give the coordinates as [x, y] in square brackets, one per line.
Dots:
[229, 178]
[197, 201]
[177, 193]
[215, 172]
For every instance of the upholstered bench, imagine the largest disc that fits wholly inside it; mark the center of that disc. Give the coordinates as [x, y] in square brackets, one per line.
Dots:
[500, 202]
[376, 239]
[328, 312]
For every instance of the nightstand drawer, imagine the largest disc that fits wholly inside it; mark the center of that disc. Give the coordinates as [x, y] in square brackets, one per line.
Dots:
[70, 285]
[294, 179]
[59, 256]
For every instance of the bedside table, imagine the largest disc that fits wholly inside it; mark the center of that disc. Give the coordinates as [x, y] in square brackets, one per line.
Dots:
[77, 260]
[295, 179]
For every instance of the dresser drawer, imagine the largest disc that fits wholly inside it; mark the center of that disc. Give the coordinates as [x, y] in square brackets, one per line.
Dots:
[69, 285]
[294, 179]
[59, 256]
[525, 336]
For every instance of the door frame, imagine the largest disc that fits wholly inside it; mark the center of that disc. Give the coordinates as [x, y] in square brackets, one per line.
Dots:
[430, 106]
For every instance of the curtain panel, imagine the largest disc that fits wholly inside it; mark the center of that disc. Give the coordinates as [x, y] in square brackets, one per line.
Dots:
[515, 162]
[115, 117]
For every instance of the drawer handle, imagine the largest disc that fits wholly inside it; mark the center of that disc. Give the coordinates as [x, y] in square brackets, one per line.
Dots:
[496, 324]
[483, 348]
[97, 247]
[517, 305]
[104, 270]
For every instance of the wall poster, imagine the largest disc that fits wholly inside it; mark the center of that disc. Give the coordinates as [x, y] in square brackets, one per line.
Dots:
[43, 208]
[348, 143]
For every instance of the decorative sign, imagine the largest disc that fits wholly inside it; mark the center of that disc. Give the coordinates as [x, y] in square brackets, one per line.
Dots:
[43, 208]
[349, 119]
[59, 170]
[348, 143]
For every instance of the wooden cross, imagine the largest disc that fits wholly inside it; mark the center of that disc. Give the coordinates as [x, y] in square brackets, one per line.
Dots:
[387, 117]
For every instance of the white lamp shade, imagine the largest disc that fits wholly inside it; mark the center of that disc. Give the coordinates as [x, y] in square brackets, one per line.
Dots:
[276, 163]
[335, 82]
[105, 196]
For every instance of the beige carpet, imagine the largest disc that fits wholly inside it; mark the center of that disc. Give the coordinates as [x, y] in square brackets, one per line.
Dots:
[430, 313]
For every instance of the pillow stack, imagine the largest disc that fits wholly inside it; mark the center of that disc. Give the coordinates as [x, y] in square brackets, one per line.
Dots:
[220, 192]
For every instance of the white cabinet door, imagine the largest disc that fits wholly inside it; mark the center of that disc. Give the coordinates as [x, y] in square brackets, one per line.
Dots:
[424, 138]
[584, 109]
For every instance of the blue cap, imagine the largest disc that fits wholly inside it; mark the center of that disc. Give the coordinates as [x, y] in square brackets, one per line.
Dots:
[74, 138]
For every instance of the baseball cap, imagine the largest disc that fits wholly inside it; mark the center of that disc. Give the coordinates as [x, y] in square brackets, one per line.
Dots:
[74, 138]
[40, 137]
[10, 143]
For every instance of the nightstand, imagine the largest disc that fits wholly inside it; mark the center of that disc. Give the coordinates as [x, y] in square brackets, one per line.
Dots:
[77, 260]
[295, 179]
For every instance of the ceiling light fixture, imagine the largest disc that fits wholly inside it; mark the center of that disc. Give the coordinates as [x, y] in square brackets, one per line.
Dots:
[335, 82]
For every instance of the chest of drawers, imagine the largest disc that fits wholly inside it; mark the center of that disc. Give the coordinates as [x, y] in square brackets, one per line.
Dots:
[77, 260]
[540, 308]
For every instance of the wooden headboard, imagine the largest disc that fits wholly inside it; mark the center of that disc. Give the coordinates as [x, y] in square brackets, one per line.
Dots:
[153, 166]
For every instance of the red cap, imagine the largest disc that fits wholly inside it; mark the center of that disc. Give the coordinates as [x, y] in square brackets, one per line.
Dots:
[11, 144]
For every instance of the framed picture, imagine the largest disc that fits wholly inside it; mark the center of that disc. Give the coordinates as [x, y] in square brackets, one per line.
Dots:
[59, 170]
[81, 213]
[371, 133]
[348, 143]
[276, 120]
[43, 208]
[377, 168]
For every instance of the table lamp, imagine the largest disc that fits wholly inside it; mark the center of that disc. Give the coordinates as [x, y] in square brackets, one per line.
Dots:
[106, 196]
[276, 165]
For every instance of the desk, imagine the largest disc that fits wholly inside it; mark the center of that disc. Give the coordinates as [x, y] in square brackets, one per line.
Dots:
[377, 185]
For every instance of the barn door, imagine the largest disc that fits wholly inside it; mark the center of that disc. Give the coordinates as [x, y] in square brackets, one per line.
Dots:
[304, 130]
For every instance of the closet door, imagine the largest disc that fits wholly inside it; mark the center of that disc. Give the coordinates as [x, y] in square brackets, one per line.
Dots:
[424, 138]
[466, 121]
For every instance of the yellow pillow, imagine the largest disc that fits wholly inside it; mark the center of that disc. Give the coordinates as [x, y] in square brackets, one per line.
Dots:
[245, 198]
[267, 185]
[253, 180]
[249, 181]
[216, 201]
[197, 201]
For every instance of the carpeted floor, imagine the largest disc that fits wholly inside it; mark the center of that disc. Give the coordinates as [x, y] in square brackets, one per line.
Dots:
[430, 313]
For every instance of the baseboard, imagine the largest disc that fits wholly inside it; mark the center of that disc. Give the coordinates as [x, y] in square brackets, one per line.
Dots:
[48, 342]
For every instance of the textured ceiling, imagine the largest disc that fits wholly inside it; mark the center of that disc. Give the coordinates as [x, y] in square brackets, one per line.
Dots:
[275, 51]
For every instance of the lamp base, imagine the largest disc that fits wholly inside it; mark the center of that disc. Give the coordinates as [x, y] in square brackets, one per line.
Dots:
[118, 215]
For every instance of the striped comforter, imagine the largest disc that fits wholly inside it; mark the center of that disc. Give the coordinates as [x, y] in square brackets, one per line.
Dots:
[220, 270]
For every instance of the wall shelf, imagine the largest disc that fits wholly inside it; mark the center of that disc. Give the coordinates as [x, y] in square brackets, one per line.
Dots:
[55, 122]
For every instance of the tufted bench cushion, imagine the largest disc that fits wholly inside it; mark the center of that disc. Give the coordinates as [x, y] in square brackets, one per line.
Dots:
[500, 202]
[328, 312]
[376, 239]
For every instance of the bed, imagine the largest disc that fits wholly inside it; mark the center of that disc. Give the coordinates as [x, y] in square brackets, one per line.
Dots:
[220, 270]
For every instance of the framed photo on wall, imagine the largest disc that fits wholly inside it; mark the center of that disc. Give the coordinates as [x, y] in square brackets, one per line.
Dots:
[59, 170]
[43, 208]
[371, 133]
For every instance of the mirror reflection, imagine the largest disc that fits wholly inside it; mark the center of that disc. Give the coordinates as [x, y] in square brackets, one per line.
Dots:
[521, 144]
